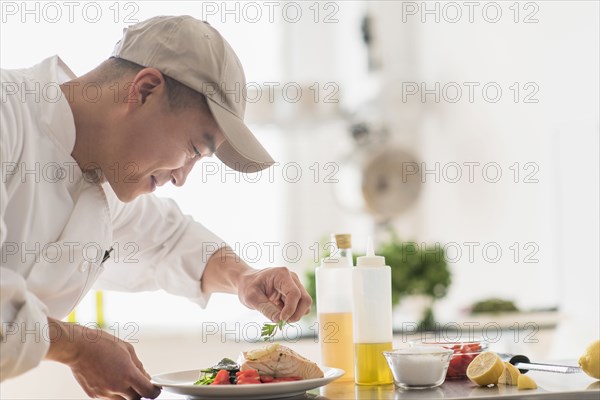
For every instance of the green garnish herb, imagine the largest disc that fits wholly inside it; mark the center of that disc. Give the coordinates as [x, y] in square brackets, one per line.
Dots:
[269, 329]
[208, 377]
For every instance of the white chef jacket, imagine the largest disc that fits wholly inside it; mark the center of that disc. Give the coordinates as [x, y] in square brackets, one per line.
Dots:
[55, 224]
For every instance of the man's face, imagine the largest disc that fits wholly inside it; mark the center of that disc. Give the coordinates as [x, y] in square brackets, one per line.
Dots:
[153, 145]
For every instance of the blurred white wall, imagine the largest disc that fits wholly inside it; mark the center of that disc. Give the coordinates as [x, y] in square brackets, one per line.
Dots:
[557, 216]
[540, 134]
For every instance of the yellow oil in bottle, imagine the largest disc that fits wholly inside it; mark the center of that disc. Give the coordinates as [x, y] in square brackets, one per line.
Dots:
[371, 366]
[337, 347]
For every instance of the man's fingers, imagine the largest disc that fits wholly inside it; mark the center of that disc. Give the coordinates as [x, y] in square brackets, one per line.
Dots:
[292, 296]
[141, 380]
[143, 386]
[268, 306]
[302, 310]
[131, 394]
[270, 310]
[140, 366]
[137, 362]
[304, 303]
[278, 294]
[275, 298]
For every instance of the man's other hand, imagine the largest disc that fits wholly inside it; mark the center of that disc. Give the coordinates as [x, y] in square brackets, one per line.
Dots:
[105, 366]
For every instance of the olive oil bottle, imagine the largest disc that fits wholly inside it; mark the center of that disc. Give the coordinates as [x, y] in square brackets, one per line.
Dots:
[334, 308]
[372, 315]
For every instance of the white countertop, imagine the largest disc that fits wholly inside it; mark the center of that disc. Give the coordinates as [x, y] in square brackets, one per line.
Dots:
[550, 386]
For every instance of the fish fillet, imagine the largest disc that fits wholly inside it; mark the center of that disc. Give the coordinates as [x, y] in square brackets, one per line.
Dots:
[280, 361]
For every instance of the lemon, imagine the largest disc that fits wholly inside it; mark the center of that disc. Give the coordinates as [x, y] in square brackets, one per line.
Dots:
[593, 386]
[485, 369]
[510, 375]
[590, 360]
[526, 382]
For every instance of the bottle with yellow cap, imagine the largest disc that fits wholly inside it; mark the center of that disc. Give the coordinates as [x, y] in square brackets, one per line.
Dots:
[334, 308]
[372, 313]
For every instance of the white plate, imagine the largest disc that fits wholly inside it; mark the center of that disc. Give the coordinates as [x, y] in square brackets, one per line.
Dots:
[182, 382]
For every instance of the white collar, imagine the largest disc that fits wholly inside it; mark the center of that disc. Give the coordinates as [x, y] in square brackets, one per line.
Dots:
[55, 110]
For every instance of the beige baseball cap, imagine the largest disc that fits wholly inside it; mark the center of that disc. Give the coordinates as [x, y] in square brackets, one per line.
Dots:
[195, 54]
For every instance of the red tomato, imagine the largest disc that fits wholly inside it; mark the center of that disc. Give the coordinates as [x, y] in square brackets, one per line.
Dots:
[222, 378]
[247, 377]
[472, 348]
[458, 365]
[266, 378]
[464, 353]
[244, 381]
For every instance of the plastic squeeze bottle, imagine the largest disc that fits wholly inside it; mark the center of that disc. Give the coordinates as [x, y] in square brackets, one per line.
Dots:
[334, 309]
[372, 312]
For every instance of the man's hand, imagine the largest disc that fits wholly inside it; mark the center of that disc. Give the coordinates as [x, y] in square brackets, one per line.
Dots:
[275, 292]
[105, 366]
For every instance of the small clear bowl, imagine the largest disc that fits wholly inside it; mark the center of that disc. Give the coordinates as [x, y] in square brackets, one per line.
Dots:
[419, 367]
[464, 352]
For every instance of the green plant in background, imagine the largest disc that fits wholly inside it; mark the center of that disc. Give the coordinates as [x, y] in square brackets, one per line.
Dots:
[417, 269]
[494, 306]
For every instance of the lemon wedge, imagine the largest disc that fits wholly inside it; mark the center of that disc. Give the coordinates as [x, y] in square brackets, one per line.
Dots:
[510, 375]
[590, 360]
[525, 383]
[485, 369]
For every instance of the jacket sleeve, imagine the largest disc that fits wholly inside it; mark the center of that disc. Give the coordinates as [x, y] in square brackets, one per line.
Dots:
[23, 317]
[157, 247]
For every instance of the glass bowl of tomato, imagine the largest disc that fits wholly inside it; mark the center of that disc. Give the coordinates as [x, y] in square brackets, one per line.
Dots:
[464, 352]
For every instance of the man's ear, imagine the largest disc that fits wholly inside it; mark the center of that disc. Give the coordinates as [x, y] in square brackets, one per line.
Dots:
[147, 82]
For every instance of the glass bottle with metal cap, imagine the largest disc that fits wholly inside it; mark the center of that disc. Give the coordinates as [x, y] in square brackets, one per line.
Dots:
[344, 246]
[334, 309]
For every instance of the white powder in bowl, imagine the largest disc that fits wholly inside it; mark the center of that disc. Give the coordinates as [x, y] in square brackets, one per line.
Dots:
[419, 367]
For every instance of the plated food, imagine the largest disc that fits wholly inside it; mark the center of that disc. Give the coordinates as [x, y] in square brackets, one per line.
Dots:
[182, 382]
[270, 372]
[274, 363]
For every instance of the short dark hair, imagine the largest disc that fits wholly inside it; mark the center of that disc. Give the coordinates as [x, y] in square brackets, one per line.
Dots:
[179, 95]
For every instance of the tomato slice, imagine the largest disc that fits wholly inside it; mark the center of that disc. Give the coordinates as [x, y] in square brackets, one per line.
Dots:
[222, 378]
[472, 348]
[248, 377]
[244, 381]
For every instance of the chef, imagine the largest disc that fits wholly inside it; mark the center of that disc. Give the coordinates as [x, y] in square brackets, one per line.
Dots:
[80, 157]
